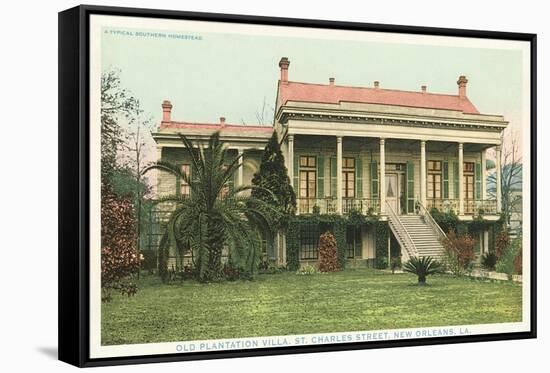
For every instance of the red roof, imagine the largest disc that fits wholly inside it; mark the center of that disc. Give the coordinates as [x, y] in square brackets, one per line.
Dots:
[214, 126]
[333, 94]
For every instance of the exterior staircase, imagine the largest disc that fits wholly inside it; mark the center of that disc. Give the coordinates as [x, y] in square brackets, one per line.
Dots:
[418, 235]
[425, 238]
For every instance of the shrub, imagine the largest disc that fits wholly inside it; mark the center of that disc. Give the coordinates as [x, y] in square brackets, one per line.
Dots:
[395, 263]
[328, 254]
[488, 261]
[502, 242]
[422, 267]
[307, 270]
[506, 262]
[459, 252]
[149, 260]
[231, 272]
[119, 257]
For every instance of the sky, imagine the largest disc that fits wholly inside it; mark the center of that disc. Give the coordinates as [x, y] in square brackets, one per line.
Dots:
[232, 75]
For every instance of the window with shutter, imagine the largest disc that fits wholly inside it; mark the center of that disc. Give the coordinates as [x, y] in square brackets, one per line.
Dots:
[445, 179]
[359, 178]
[320, 177]
[374, 179]
[478, 181]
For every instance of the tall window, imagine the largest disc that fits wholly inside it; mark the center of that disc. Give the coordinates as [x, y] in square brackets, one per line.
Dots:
[308, 177]
[348, 177]
[184, 186]
[469, 181]
[434, 180]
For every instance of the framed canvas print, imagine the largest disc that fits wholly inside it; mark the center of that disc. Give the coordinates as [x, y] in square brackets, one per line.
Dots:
[234, 186]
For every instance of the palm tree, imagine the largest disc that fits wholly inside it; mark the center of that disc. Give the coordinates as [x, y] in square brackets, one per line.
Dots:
[214, 216]
[422, 267]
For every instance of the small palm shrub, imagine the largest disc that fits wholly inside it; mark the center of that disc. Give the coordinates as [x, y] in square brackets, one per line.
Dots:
[488, 261]
[422, 267]
[328, 254]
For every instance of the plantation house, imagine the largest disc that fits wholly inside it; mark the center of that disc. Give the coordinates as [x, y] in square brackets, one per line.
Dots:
[389, 154]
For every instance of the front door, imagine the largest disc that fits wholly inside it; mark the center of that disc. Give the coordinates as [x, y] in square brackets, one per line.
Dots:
[392, 192]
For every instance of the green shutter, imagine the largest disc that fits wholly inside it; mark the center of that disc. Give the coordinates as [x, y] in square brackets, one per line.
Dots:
[446, 179]
[455, 179]
[410, 187]
[333, 178]
[358, 178]
[374, 179]
[296, 174]
[320, 177]
[478, 181]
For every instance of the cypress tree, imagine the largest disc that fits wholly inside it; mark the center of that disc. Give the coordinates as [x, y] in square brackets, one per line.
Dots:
[272, 184]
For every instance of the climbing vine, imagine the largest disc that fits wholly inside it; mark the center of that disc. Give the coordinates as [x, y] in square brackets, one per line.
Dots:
[382, 234]
[336, 224]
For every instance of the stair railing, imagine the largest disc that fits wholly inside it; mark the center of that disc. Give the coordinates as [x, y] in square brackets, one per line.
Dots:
[428, 218]
[401, 233]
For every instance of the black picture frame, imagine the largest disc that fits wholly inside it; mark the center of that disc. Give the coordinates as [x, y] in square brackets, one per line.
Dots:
[74, 181]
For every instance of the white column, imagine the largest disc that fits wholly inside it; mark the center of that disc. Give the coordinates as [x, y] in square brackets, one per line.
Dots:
[423, 172]
[484, 174]
[339, 174]
[498, 171]
[240, 172]
[485, 247]
[460, 178]
[382, 178]
[291, 160]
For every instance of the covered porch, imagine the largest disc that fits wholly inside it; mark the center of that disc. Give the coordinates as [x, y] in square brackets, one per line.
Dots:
[377, 174]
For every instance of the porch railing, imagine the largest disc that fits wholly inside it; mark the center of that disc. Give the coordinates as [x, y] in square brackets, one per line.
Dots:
[481, 206]
[471, 207]
[443, 205]
[365, 206]
[316, 205]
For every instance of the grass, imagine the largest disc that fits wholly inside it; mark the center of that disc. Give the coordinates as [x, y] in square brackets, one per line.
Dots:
[285, 304]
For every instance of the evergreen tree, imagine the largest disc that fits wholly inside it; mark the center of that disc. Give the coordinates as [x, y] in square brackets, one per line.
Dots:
[272, 184]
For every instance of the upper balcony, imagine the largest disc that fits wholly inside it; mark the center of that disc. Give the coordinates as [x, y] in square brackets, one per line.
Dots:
[371, 206]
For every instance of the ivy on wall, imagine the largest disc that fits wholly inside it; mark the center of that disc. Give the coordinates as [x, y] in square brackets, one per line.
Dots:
[336, 224]
[339, 228]
[382, 234]
[449, 221]
[293, 246]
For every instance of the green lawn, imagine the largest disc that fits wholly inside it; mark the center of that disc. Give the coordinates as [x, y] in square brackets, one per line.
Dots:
[286, 303]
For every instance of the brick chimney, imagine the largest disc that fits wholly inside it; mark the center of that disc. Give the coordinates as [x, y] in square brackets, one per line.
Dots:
[462, 81]
[283, 64]
[166, 111]
[376, 84]
[331, 81]
[222, 121]
[423, 88]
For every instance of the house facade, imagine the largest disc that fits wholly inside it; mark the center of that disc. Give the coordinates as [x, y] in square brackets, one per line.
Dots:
[388, 154]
